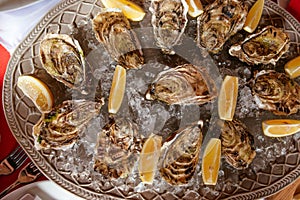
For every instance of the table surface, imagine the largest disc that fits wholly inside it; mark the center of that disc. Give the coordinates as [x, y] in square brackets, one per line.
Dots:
[8, 142]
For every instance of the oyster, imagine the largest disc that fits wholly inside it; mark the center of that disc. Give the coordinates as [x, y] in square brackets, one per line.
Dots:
[62, 57]
[61, 127]
[219, 22]
[182, 154]
[276, 92]
[113, 30]
[237, 144]
[266, 46]
[185, 84]
[117, 149]
[207, 1]
[169, 19]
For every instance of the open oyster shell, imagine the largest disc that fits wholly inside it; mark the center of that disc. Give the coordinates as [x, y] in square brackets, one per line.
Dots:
[182, 154]
[237, 144]
[169, 19]
[207, 1]
[185, 84]
[264, 47]
[219, 22]
[276, 92]
[62, 57]
[117, 149]
[113, 30]
[61, 127]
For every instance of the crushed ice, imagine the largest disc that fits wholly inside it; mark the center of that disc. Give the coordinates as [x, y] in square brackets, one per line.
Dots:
[152, 117]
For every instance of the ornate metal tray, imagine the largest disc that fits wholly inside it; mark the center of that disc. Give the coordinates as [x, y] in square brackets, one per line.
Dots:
[276, 166]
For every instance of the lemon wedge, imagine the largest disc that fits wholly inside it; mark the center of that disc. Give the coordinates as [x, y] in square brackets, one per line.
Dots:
[254, 16]
[131, 10]
[211, 162]
[37, 91]
[195, 8]
[280, 127]
[293, 67]
[117, 90]
[228, 98]
[149, 158]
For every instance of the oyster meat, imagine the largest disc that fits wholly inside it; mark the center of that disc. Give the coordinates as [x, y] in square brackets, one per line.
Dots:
[61, 127]
[264, 47]
[276, 92]
[169, 19]
[185, 84]
[237, 144]
[113, 30]
[62, 57]
[182, 154]
[219, 21]
[118, 148]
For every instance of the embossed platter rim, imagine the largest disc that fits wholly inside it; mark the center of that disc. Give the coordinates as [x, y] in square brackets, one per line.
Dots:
[19, 130]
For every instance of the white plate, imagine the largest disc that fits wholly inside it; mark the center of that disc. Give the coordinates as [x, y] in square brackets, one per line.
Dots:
[6, 5]
[19, 17]
[46, 190]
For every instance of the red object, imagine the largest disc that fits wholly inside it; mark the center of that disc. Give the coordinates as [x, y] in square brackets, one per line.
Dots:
[7, 141]
[294, 8]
